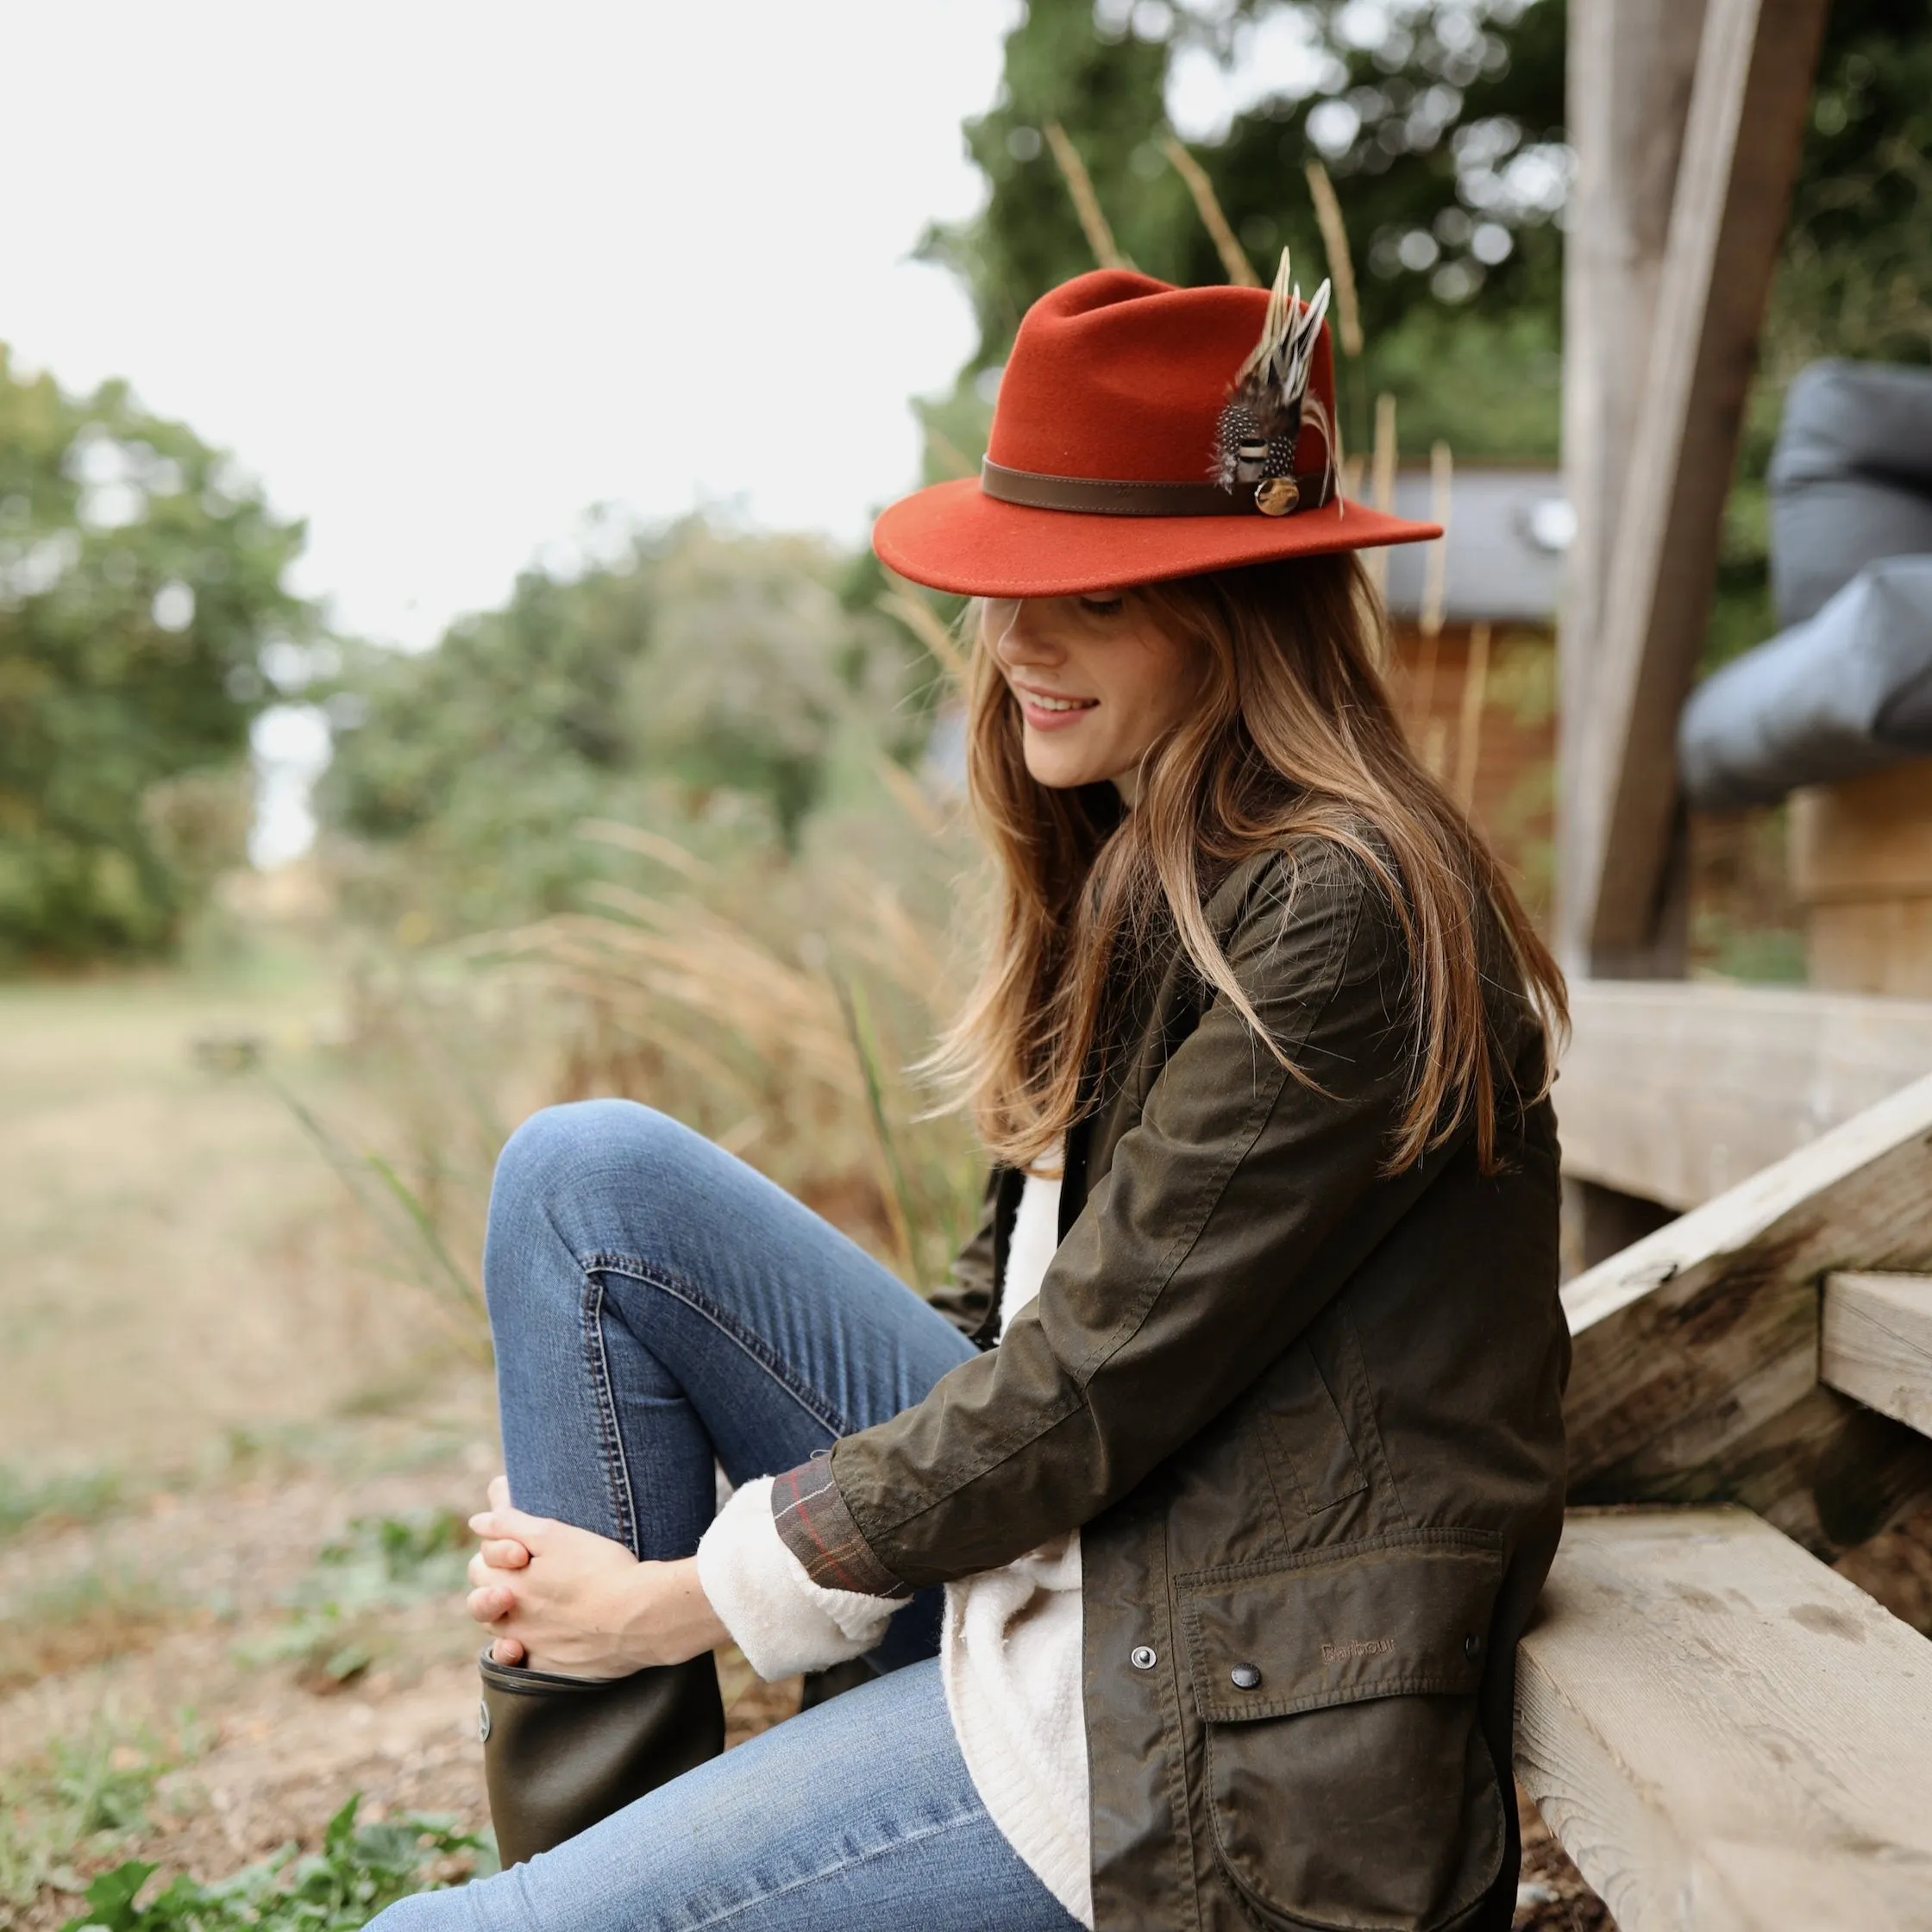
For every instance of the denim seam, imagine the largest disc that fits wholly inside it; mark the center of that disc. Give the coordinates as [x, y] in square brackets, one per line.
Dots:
[693, 1298]
[610, 1437]
[974, 1813]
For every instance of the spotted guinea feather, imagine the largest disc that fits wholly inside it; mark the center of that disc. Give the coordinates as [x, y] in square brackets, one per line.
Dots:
[1266, 402]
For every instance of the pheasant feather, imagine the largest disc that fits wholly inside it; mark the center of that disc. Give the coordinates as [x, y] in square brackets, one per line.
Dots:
[1261, 423]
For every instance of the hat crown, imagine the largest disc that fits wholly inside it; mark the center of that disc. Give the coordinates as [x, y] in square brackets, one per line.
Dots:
[1115, 376]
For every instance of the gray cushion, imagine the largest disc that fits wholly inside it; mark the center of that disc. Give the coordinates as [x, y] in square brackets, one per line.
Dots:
[1849, 691]
[1851, 478]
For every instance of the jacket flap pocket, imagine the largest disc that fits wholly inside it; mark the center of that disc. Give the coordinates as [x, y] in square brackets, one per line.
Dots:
[1406, 1612]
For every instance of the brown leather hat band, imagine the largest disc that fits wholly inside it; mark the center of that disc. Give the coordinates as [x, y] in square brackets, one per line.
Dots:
[1101, 497]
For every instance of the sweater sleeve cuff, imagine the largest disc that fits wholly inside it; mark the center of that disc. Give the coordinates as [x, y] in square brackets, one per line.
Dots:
[820, 1532]
[782, 1621]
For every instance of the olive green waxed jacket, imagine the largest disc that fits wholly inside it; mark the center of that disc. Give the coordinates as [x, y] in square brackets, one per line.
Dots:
[1307, 1415]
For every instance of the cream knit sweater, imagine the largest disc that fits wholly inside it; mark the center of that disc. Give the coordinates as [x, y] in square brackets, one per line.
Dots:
[1009, 1651]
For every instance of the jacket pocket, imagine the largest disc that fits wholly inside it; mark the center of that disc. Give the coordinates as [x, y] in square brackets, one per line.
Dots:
[1347, 1780]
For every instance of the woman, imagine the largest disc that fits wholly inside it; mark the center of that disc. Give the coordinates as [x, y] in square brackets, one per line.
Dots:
[1236, 1442]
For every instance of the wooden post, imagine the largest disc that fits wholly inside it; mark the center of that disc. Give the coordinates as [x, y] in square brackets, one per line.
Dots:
[1629, 68]
[1652, 431]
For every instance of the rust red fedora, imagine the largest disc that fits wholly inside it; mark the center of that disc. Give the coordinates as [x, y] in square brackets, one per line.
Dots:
[1131, 442]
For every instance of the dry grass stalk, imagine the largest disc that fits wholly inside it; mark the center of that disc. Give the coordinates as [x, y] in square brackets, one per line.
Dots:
[1435, 575]
[1341, 264]
[1086, 203]
[909, 795]
[951, 458]
[926, 623]
[775, 1012]
[1468, 737]
[1234, 258]
[1420, 696]
[1383, 488]
[647, 844]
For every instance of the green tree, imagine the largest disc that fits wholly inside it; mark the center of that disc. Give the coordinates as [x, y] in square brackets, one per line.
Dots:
[141, 577]
[1441, 123]
[702, 681]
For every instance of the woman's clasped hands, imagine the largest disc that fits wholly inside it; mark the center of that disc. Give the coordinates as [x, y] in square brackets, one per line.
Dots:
[573, 1603]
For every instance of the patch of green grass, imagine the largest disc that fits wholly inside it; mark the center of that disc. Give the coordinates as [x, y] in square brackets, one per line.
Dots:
[359, 1870]
[385, 1563]
[90, 1795]
[82, 1619]
[25, 1500]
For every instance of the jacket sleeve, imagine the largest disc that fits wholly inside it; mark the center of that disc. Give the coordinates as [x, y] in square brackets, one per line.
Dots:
[1230, 1213]
[966, 1298]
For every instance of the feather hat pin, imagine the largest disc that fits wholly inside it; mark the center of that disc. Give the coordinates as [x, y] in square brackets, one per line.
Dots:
[1254, 440]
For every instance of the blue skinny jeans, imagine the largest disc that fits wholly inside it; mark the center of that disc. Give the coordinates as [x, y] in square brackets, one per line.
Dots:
[658, 1307]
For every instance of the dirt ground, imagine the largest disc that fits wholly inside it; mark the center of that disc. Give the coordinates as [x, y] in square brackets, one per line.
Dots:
[211, 1376]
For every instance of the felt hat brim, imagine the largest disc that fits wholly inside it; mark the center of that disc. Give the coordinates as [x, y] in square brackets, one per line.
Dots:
[952, 536]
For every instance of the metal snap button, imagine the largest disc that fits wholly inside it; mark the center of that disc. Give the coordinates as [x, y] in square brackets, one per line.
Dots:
[1243, 1677]
[1142, 1658]
[1471, 1646]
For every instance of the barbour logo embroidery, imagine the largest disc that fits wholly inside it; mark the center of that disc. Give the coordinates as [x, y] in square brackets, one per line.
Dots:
[1363, 1646]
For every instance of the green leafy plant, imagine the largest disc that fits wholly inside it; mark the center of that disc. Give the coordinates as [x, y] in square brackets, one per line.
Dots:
[384, 1563]
[88, 1797]
[360, 1870]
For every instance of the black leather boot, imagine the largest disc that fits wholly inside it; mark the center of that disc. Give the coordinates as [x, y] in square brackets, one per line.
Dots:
[562, 1752]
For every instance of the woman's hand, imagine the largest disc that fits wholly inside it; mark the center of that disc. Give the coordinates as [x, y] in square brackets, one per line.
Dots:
[565, 1600]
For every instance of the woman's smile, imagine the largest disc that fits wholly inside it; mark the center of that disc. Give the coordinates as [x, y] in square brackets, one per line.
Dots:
[1050, 711]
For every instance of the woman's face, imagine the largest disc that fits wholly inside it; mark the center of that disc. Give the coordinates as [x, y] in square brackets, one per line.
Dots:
[1097, 682]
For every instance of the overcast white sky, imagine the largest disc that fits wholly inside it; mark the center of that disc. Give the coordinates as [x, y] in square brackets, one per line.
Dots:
[442, 276]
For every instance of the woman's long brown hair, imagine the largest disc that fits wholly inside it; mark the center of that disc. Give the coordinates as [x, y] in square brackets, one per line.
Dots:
[1293, 737]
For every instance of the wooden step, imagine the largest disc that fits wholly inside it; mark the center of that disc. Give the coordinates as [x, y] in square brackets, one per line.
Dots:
[1695, 1370]
[1724, 1733]
[1876, 1344]
[1675, 1090]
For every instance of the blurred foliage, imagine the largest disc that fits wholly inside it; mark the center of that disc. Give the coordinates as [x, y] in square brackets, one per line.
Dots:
[698, 679]
[771, 998]
[777, 1003]
[1441, 123]
[675, 820]
[141, 579]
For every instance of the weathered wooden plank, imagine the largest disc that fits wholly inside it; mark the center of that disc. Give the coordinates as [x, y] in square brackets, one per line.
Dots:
[1695, 1374]
[1726, 1735]
[1866, 838]
[1677, 1091]
[1876, 1344]
[1740, 147]
[1629, 70]
[1862, 862]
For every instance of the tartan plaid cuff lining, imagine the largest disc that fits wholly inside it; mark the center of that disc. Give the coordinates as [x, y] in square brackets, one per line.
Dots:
[819, 1530]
